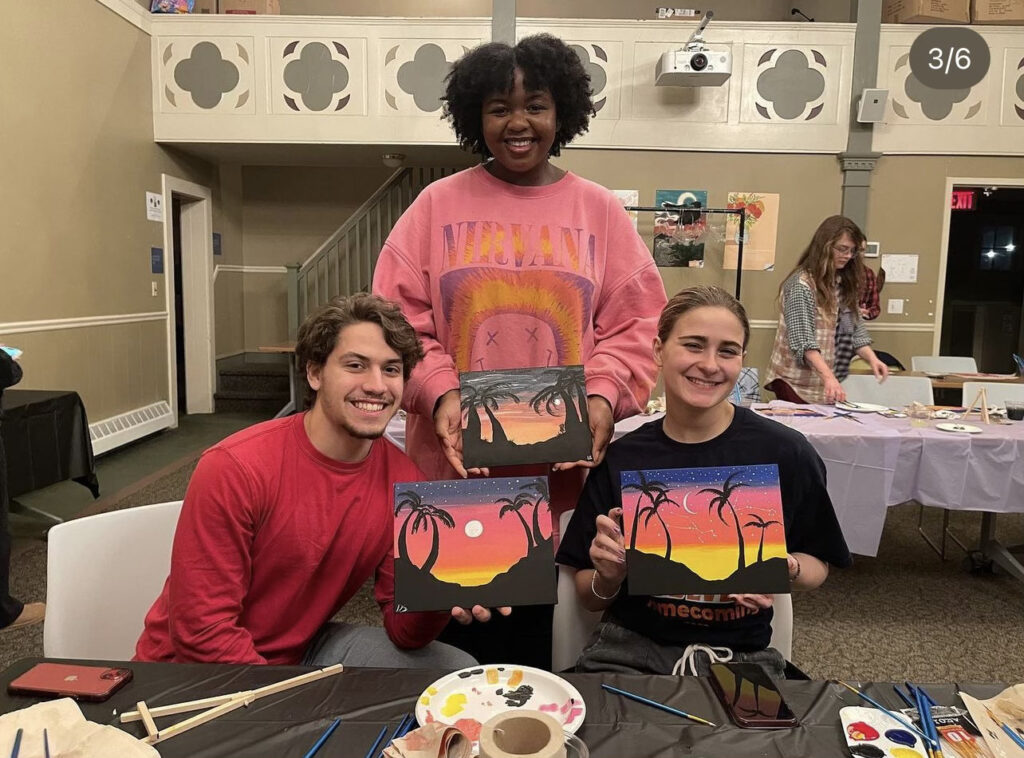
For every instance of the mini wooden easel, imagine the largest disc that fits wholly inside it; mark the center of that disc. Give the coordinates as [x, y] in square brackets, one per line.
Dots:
[214, 706]
[982, 411]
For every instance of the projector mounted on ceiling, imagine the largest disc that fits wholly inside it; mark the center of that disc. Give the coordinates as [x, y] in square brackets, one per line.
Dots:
[695, 65]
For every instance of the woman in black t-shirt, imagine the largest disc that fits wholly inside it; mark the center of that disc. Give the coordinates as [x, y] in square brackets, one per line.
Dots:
[702, 337]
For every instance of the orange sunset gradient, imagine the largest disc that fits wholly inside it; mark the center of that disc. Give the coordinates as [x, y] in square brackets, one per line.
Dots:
[474, 561]
[522, 424]
[702, 541]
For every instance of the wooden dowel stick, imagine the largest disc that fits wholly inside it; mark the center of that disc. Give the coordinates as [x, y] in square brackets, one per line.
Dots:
[147, 719]
[208, 702]
[202, 718]
[186, 707]
[296, 681]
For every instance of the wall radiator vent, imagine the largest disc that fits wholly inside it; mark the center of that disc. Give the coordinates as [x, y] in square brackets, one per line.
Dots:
[119, 430]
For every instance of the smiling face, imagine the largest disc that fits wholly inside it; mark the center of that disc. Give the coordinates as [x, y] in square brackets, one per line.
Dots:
[519, 129]
[701, 358]
[359, 386]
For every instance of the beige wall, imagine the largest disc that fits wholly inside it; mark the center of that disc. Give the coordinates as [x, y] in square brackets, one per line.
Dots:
[229, 298]
[733, 10]
[810, 189]
[78, 155]
[286, 214]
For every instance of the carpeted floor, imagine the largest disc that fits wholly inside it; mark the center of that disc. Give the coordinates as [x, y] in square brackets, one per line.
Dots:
[902, 615]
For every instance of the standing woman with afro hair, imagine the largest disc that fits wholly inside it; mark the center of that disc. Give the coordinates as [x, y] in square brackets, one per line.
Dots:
[517, 263]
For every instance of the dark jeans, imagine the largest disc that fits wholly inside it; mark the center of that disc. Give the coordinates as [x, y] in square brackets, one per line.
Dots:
[615, 649]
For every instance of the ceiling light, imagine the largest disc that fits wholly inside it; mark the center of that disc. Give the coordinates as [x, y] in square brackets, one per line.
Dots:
[1011, 247]
[991, 254]
[393, 160]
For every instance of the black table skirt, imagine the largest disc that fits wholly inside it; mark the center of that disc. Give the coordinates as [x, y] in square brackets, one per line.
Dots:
[46, 436]
[286, 725]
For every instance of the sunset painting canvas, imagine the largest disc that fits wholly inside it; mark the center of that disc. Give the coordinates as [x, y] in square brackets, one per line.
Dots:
[704, 531]
[533, 415]
[466, 542]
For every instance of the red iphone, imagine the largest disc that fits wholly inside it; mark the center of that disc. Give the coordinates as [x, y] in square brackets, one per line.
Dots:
[750, 696]
[93, 683]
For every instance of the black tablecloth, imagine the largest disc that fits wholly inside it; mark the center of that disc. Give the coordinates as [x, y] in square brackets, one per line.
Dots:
[46, 436]
[287, 725]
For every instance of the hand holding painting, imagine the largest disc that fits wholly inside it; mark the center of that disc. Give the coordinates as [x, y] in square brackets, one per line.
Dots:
[608, 554]
[448, 427]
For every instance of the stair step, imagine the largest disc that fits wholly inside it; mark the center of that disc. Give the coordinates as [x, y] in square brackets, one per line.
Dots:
[254, 378]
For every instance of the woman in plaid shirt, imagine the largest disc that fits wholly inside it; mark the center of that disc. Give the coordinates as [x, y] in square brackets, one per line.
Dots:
[820, 318]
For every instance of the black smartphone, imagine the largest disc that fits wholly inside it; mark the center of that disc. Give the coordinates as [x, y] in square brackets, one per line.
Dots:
[750, 696]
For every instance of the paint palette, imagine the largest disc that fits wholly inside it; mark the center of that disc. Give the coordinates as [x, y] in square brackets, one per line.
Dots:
[963, 428]
[466, 699]
[870, 733]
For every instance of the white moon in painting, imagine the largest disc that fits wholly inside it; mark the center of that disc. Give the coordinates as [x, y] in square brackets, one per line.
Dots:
[685, 506]
[474, 528]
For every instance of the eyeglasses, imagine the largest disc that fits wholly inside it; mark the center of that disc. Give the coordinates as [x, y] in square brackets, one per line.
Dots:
[846, 250]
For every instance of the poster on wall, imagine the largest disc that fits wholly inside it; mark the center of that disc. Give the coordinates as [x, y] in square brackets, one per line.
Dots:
[900, 268]
[629, 198]
[760, 232]
[680, 237]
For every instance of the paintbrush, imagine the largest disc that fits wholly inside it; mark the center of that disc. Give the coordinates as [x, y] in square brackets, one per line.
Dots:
[883, 709]
[1017, 739]
[656, 704]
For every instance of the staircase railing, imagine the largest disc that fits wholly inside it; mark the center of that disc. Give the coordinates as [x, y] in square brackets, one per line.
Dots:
[344, 263]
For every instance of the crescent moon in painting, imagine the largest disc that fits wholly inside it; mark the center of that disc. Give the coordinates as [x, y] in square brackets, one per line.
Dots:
[685, 506]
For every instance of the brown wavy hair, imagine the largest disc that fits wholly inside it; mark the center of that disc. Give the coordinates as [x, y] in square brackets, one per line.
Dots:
[702, 296]
[819, 263]
[318, 334]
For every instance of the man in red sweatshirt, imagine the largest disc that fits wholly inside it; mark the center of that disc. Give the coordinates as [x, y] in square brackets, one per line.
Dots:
[284, 521]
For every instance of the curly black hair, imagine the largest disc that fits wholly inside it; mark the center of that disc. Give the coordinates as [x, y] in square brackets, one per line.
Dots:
[547, 63]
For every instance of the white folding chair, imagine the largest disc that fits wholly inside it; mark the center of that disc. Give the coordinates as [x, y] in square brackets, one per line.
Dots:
[895, 392]
[103, 573]
[996, 393]
[573, 624]
[946, 363]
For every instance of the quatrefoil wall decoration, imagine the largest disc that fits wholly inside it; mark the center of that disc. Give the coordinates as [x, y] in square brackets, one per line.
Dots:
[317, 75]
[790, 85]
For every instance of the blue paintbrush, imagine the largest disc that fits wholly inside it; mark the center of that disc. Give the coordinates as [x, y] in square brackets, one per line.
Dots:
[323, 738]
[656, 704]
[891, 714]
[17, 744]
[376, 742]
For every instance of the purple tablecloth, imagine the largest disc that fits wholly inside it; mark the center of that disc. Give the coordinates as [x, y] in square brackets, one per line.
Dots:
[875, 462]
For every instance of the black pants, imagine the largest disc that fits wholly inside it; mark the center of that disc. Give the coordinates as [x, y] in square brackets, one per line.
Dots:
[523, 639]
[10, 608]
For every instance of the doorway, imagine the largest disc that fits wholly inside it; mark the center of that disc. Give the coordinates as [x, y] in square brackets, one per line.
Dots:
[188, 240]
[982, 290]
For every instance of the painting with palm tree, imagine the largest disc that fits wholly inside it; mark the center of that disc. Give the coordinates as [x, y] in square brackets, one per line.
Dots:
[533, 415]
[470, 542]
[713, 530]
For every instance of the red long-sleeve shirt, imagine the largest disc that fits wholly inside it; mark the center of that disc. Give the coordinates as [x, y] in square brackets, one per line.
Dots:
[273, 539]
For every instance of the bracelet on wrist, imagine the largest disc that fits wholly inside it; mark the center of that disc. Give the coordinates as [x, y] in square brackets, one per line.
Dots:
[598, 595]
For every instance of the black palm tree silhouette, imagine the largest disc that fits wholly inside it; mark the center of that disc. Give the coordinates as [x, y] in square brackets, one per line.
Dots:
[570, 389]
[539, 489]
[515, 505]
[763, 525]
[423, 516]
[652, 490]
[652, 512]
[488, 397]
[721, 500]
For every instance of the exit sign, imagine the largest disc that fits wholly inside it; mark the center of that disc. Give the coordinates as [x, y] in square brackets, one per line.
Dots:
[963, 200]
